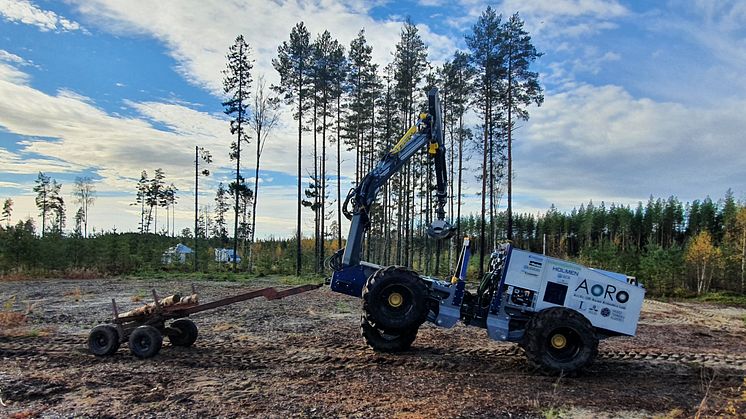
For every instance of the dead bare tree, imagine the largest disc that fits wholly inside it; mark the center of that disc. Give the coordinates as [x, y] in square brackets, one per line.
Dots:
[262, 121]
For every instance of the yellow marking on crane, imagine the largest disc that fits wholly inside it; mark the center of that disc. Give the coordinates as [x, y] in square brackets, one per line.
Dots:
[404, 140]
[433, 148]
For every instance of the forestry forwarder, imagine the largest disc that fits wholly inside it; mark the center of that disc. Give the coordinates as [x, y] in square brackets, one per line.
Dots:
[556, 310]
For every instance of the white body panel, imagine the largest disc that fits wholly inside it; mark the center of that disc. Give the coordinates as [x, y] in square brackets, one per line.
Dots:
[605, 298]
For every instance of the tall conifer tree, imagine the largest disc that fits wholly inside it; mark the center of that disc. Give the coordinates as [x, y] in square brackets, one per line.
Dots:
[237, 85]
[293, 65]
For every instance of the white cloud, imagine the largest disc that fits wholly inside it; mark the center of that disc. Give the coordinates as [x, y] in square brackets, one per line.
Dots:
[75, 135]
[4, 184]
[11, 58]
[602, 9]
[26, 12]
[600, 142]
[11, 74]
[199, 44]
[554, 20]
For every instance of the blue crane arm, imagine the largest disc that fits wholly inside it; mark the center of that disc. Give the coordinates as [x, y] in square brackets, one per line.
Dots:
[428, 131]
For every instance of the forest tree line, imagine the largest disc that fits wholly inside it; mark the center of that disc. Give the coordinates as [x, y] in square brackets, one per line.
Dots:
[673, 248]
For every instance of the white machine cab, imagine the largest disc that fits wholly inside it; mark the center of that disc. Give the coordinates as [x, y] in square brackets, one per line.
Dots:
[609, 300]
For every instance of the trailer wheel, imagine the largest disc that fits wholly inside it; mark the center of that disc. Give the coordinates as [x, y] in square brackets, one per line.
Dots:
[395, 300]
[103, 340]
[560, 340]
[145, 342]
[187, 333]
[382, 341]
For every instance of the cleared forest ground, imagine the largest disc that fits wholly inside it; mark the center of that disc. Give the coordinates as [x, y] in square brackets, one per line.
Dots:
[303, 356]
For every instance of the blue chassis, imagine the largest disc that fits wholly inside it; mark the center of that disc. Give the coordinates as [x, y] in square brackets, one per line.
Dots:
[351, 280]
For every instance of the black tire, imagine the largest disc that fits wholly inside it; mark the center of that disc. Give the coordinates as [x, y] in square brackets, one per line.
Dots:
[395, 300]
[145, 342]
[381, 341]
[560, 340]
[187, 333]
[103, 340]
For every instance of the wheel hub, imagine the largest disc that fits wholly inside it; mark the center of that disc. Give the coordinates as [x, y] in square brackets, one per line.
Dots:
[395, 299]
[558, 341]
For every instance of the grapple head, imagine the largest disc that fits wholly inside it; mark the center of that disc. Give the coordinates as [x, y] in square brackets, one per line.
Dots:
[440, 229]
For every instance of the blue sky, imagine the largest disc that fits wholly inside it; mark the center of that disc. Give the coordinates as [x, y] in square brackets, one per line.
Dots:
[641, 98]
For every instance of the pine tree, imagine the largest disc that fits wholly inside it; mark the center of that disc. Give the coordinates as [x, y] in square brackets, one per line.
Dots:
[85, 194]
[410, 61]
[486, 57]
[340, 89]
[169, 200]
[154, 197]
[7, 211]
[388, 126]
[522, 88]
[57, 207]
[327, 61]
[42, 198]
[221, 208]
[201, 154]
[456, 79]
[142, 188]
[237, 85]
[79, 222]
[293, 65]
[242, 196]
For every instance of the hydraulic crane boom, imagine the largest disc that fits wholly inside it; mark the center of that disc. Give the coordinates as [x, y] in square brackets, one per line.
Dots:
[428, 131]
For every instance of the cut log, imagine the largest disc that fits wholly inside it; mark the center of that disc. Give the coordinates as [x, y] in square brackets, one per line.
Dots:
[189, 300]
[170, 300]
[148, 309]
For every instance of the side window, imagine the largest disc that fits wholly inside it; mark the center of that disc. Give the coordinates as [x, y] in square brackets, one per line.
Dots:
[555, 293]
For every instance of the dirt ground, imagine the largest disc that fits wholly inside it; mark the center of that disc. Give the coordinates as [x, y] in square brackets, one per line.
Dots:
[303, 357]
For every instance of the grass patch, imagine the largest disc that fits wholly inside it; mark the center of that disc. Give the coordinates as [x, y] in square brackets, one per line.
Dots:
[193, 276]
[723, 298]
[343, 307]
[227, 276]
[224, 327]
[10, 319]
[138, 296]
[672, 414]
[301, 280]
[75, 294]
[555, 413]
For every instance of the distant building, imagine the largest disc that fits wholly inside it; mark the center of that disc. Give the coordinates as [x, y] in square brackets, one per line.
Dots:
[226, 256]
[175, 254]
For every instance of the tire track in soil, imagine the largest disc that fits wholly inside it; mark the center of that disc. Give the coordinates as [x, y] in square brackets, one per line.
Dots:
[676, 314]
[340, 355]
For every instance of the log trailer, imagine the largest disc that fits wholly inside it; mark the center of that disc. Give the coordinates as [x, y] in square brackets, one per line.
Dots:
[555, 310]
[143, 329]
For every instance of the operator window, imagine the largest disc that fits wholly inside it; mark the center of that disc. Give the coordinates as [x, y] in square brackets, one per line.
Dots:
[555, 293]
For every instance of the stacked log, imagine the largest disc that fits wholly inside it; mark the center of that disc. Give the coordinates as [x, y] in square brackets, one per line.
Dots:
[171, 302]
[189, 300]
[148, 309]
